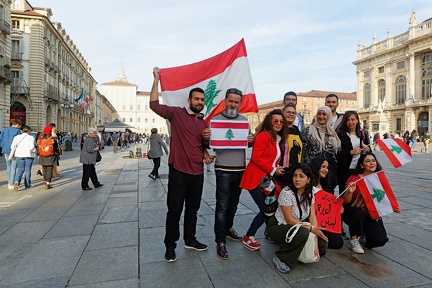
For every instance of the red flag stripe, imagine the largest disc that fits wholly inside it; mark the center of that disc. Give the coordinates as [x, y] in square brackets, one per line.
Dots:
[228, 142]
[232, 125]
[393, 159]
[388, 190]
[202, 70]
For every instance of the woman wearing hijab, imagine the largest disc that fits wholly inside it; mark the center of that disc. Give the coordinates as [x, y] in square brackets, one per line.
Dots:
[320, 139]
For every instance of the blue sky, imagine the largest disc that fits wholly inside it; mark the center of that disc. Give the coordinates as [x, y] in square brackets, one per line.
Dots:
[292, 45]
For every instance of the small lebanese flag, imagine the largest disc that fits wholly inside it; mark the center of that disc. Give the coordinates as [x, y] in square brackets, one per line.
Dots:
[229, 134]
[396, 150]
[215, 75]
[378, 195]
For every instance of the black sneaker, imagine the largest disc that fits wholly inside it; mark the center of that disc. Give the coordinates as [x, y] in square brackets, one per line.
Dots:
[233, 235]
[196, 246]
[170, 255]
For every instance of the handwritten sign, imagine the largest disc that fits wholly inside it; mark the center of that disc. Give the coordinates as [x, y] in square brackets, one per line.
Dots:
[327, 211]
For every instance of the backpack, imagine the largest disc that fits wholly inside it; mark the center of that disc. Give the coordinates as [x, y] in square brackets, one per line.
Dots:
[46, 147]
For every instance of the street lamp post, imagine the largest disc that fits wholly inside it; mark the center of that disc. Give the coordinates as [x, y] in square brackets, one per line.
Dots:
[67, 106]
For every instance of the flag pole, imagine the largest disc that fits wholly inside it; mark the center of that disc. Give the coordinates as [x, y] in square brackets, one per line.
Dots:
[340, 194]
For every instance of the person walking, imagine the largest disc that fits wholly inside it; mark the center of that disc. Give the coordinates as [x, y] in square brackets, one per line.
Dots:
[25, 152]
[48, 161]
[155, 152]
[88, 159]
[186, 168]
[115, 140]
[229, 165]
[265, 159]
[6, 138]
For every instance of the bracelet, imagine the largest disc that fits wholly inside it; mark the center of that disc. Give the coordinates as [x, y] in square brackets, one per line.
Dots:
[310, 230]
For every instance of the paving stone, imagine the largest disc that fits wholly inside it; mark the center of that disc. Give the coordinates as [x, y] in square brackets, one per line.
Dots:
[42, 214]
[25, 232]
[73, 226]
[11, 255]
[127, 283]
[85, 209]
[39, 283]
[114, 235]
[152, 214]
[105, 265]
[420, 236]
[119, 214]
[122, 201]
[48, 259]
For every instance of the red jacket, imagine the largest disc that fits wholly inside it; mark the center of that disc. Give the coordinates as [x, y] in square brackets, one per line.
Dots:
[261, 163]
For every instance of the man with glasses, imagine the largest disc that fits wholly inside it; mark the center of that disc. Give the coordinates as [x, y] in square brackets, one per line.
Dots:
[332, 101]
[229, 167]
[291, 98]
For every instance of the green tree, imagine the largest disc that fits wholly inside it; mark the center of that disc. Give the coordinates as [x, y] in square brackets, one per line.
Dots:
[229, 134]
[210, 93]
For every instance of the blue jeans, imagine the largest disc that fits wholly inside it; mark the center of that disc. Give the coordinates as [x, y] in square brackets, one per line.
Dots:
[24, 166]
[227, 198]
[260, 218]
[10, 170]
[414, 144]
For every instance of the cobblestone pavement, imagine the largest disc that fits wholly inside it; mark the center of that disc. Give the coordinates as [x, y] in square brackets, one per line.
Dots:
[113, 236]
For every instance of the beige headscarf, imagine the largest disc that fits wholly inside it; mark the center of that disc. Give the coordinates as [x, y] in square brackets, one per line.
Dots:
[318, 131]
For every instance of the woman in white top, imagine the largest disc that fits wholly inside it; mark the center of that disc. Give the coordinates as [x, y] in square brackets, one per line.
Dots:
[352, 144]
[296, 204]
[25, 152]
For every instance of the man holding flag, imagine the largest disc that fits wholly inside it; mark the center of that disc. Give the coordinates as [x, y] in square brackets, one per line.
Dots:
[229, 167]
[186, 169]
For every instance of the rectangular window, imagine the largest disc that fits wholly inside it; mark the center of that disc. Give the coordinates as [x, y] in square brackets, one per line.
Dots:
[153, 120]
[400, 65]
[366, 74]
[375, 127]
[130, 120]
[139, 107]
[124, 119]
[381, 69]
[131, 107]
[398, 124]
[146, 120]
[139, 120]
[16, 24]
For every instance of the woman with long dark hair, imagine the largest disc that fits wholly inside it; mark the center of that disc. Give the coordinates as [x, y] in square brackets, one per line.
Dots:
[319, 167]
[352, 145]
[296, 204]
[357, 218]
[265, 159]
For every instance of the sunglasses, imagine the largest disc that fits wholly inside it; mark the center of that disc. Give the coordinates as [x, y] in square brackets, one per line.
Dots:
[276, 122]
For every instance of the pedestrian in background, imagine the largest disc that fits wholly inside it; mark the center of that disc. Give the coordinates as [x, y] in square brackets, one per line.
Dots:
[88, 159]
[6, 138]
[155, 152]
[48, 162]
[25, 152]
[414, 137]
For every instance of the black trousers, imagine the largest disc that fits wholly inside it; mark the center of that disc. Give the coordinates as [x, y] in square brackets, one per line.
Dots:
[156, 163]
[184, 189]
[89, 171]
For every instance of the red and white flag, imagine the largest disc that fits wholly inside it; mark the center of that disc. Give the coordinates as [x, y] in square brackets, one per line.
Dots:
[396, 150]
[215, 75]
[229, 134]
[378, 195]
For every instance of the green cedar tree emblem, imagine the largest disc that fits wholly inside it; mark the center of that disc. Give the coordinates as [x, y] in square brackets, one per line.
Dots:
[229, 134]
[396, 149]
[378, 194]
[210, 94]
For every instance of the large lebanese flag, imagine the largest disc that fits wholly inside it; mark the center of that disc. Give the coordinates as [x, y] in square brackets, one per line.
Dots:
[378, 195]
[229, 69]
[229, 134]
[396, 150]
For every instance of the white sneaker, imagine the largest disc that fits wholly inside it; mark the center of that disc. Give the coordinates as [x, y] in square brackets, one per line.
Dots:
[10, 187]
[354, 245]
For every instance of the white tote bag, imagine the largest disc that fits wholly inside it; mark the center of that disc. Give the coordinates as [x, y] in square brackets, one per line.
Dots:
[307, 255]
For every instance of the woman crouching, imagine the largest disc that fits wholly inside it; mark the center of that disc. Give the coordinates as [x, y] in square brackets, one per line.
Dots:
[296, 204]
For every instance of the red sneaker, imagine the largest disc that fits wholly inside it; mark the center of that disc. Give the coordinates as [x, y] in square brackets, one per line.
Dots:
[250, 243]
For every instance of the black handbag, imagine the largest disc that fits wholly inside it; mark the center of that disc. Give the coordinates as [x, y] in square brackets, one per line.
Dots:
[98, 156]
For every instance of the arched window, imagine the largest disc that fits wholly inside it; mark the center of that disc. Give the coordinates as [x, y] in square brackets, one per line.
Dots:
[400, 89]
[381, 90]
[427, 83]
[366, 95]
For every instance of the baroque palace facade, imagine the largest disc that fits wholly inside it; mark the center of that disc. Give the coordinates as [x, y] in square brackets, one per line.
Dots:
[42, 73]
[394, 80]
[307, 105]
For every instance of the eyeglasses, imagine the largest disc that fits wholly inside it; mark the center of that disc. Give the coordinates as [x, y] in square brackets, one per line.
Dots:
[276, 122]
[234, 91]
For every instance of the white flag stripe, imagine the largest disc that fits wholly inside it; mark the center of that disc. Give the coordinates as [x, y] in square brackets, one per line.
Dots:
[403, 157]
[383, 207]
[232, 77]
[220, 134]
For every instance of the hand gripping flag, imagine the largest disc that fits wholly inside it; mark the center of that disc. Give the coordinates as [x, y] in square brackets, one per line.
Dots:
[396, 150]
[215, 75]
[378, 195]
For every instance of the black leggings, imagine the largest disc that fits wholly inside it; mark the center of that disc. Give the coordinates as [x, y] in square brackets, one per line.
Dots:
[156, 162]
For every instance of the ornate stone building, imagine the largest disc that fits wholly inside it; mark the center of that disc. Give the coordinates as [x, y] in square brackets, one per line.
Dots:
[307, 105]
[5, 61]
[394, 80]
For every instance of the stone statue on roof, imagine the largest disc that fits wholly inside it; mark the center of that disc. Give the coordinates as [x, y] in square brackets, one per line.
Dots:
[413, 19]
